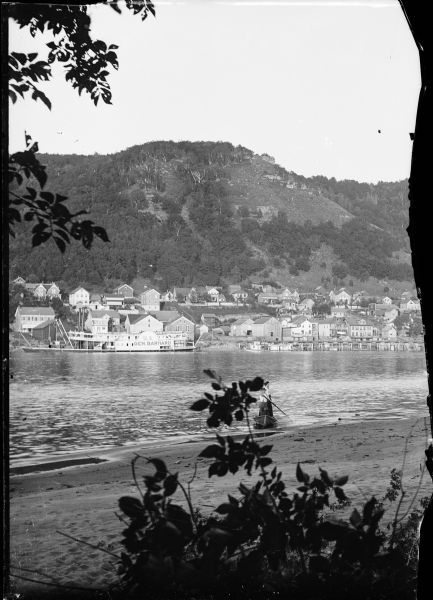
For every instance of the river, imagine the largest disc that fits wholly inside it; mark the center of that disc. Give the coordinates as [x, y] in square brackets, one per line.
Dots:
[63, 402]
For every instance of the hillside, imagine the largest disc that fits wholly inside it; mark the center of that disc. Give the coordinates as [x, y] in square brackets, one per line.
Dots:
[209, 213]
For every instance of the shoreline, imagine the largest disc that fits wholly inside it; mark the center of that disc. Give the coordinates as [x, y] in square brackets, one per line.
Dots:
[88, 455]
[81, 499]
[239, 345]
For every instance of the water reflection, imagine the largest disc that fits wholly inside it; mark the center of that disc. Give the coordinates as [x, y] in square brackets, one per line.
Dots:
[64, 402]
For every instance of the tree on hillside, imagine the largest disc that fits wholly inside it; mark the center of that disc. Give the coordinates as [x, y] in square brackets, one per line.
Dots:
[86, 64]
[340, 271]
[322, 309]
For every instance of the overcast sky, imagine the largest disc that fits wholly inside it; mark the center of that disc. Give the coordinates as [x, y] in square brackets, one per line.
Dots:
[310, 83]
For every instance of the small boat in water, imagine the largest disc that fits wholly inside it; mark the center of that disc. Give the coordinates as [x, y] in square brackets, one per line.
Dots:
[265, 422]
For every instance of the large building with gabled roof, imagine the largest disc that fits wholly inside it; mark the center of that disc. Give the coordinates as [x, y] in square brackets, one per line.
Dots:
[28, 317]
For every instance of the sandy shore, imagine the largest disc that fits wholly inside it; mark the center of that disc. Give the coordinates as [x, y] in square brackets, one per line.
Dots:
[81, 499]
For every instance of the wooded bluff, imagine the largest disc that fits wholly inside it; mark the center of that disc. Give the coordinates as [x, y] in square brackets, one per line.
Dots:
[208, 213]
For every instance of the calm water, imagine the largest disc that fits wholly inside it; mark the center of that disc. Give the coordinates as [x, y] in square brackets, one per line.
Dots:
[63, 402]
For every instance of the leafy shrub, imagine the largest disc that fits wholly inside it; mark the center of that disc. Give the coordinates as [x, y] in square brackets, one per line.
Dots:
[264, 541]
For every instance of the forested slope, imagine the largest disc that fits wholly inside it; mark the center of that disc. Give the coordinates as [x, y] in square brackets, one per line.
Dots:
[208, 213]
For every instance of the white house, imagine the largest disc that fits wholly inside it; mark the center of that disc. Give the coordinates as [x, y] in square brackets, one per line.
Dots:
[299, 327]
[139, 323]
[340, 297]
[37, 289]
[286, 295]
[102, 321]
[43, 290]
[410, 305]
[181, 324]
[386, 300]
[168, 296]
[53, 290]
[150, 299]
[241, 327]
[266, 327]
[19, 281]
[339, 312]
[214, 294]
[237, 293]
[360, 328]
[28, 317]
[125, 290]
[79, 297]
[324, 329]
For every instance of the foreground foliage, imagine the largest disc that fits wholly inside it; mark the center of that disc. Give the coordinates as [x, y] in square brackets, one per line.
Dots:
[86, 63]
[265, 541]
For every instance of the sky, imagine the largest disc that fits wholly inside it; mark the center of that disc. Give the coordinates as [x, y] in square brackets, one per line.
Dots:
[326, 88]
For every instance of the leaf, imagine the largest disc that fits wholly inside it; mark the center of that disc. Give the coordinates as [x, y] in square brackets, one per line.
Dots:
[264, 462]
[212, 451]
[182, 519]
[216, 386]
[170, 485]
[300, 475]
[319, 485]
[325, 477]
[32, 193]
[201, 404]
[115, 8]
[14, 215]
[368, 510]
[218, 468]
[355, 518]
[60, 244]
[159, 465]
[37, 94]
[131, 507]
[341, 480]
[21, 58]
[256, 384]
[48, 196]
[63, 234]
[341, 496]
[40, 238]
[239, 415]
[224, 509]
[213, 421]
[228, 419]
[99, 45]
[244, 489]
[265, 449]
